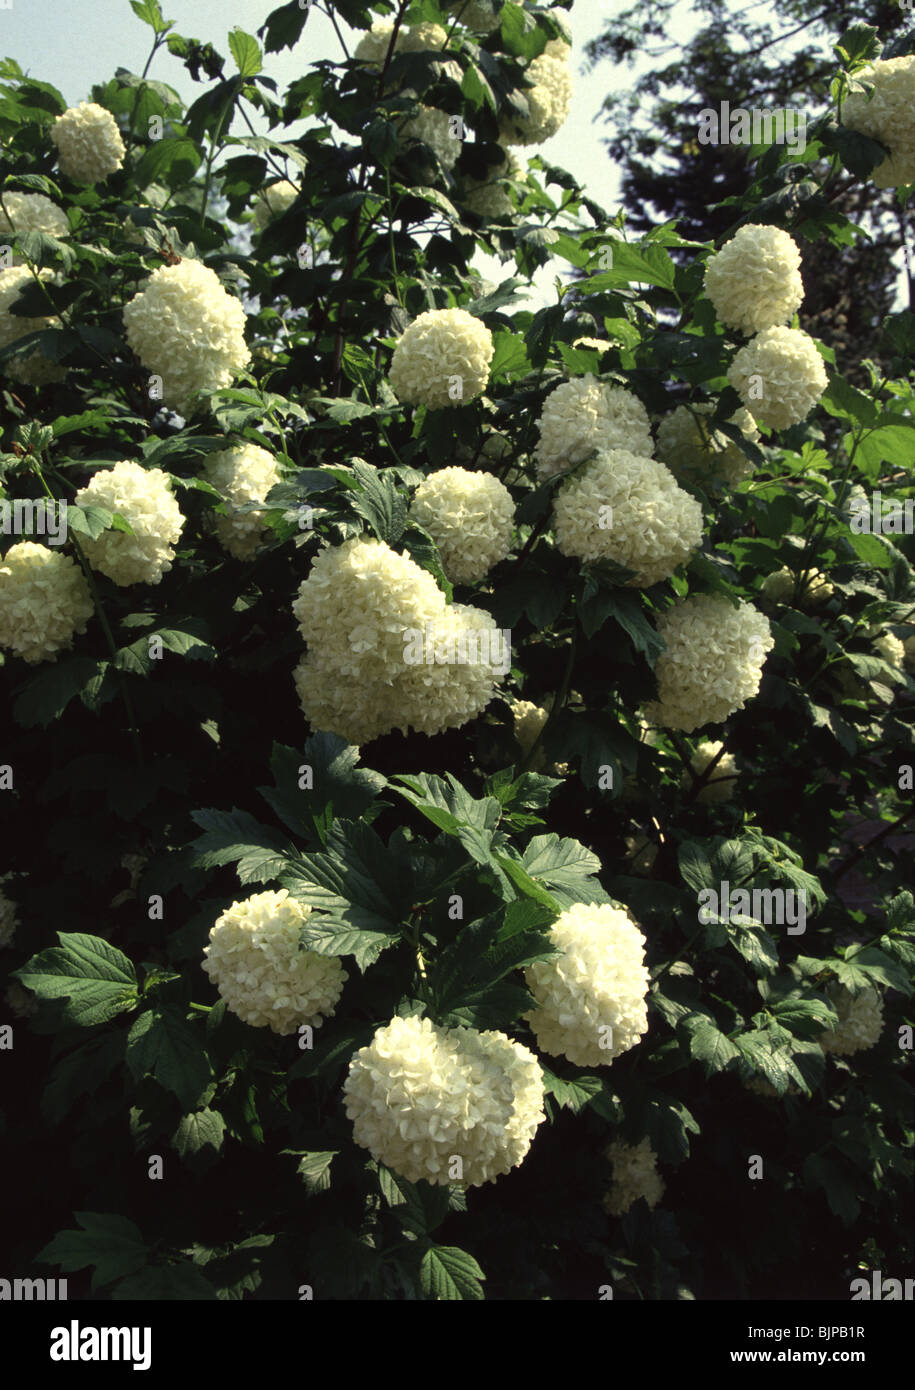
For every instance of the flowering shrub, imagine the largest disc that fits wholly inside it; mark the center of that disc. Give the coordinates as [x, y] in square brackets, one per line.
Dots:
[415, 948]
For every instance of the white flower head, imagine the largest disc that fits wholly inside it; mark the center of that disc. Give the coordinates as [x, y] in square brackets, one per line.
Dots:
[591, 1000]
[549, 102]
[779, 376]
[886, 115]
[187, 329]
[444, 1105]
[244, 473]
[44, 602]
[469, 516]
[32, 212]
[441, 359]
[754, 281]
[860, 1021]
[31, 368]
[273, 201]
[627, 509]
[583, 415]
[723, 777]
[712, 661]
[89, 144]
[635, 1175]
[256, 962]
[142, 496]
[693, 453]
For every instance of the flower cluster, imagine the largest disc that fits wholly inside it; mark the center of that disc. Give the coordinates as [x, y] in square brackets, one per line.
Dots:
[694, 453]
[548, 101]
[586, 414]
[255, 961]
[886, 115]
[627, 509]
[442, 358]
[778, 587]
[891, 649]
[245, 473]
[421, 1097]
[489, 197]
[433, 128]
[89, 144]
[44, 602]
[411, 38]
[357, 610]
[754, 281]
[635, 1175]
[591, 999]
[722, 779]
[273, 201]
[188, 330]
[779, 376]
[469, 516]
[860, 1021]
[528, 720]
[143, 498]
[31, 368]
[712, 661]
[32, 212]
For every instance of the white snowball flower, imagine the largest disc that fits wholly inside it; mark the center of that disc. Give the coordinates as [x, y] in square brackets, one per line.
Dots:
[586, 414]
[779, 376]
[909, 653]
[32, 212]
[860, 1021]
[411, 38]
[630, 510]
[712, 662]
[364, 610]
[273, 201]
[887, 116]
[722, 780]
[754, 281]
[434, 128]
[89, 144]
[891, 649]
[143, 498]
[444, 1105]
[490, 197]
[692, 452]
[44, 602]
[529, 720]
[590, 1000]
[442, 358]
[32, 369]
[9, 920]
[778, 587]
[264, 975]
[469, 516]
[244, 473]
[635, 1175]
[187, 329]
[549, 101]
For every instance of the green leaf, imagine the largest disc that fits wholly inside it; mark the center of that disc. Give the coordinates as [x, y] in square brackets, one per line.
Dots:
[379, 502]
[626, 610]
[327, 937]
[165, 1045]
[447, 1272]
[111, 1245]
[419, 1207]
[707, 1043]
[314, 1168]
[236, 837]
[806, 1018]
[45, 696]
[572, 1093]
[823, 1175]
[876, 965]
[203, 1127]
[95, 979]
[696, 866]
[858, 45]
[173, 160]
[510, 357]
[246, 51]
[151, 14]
[339, 786]
[566, 867]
